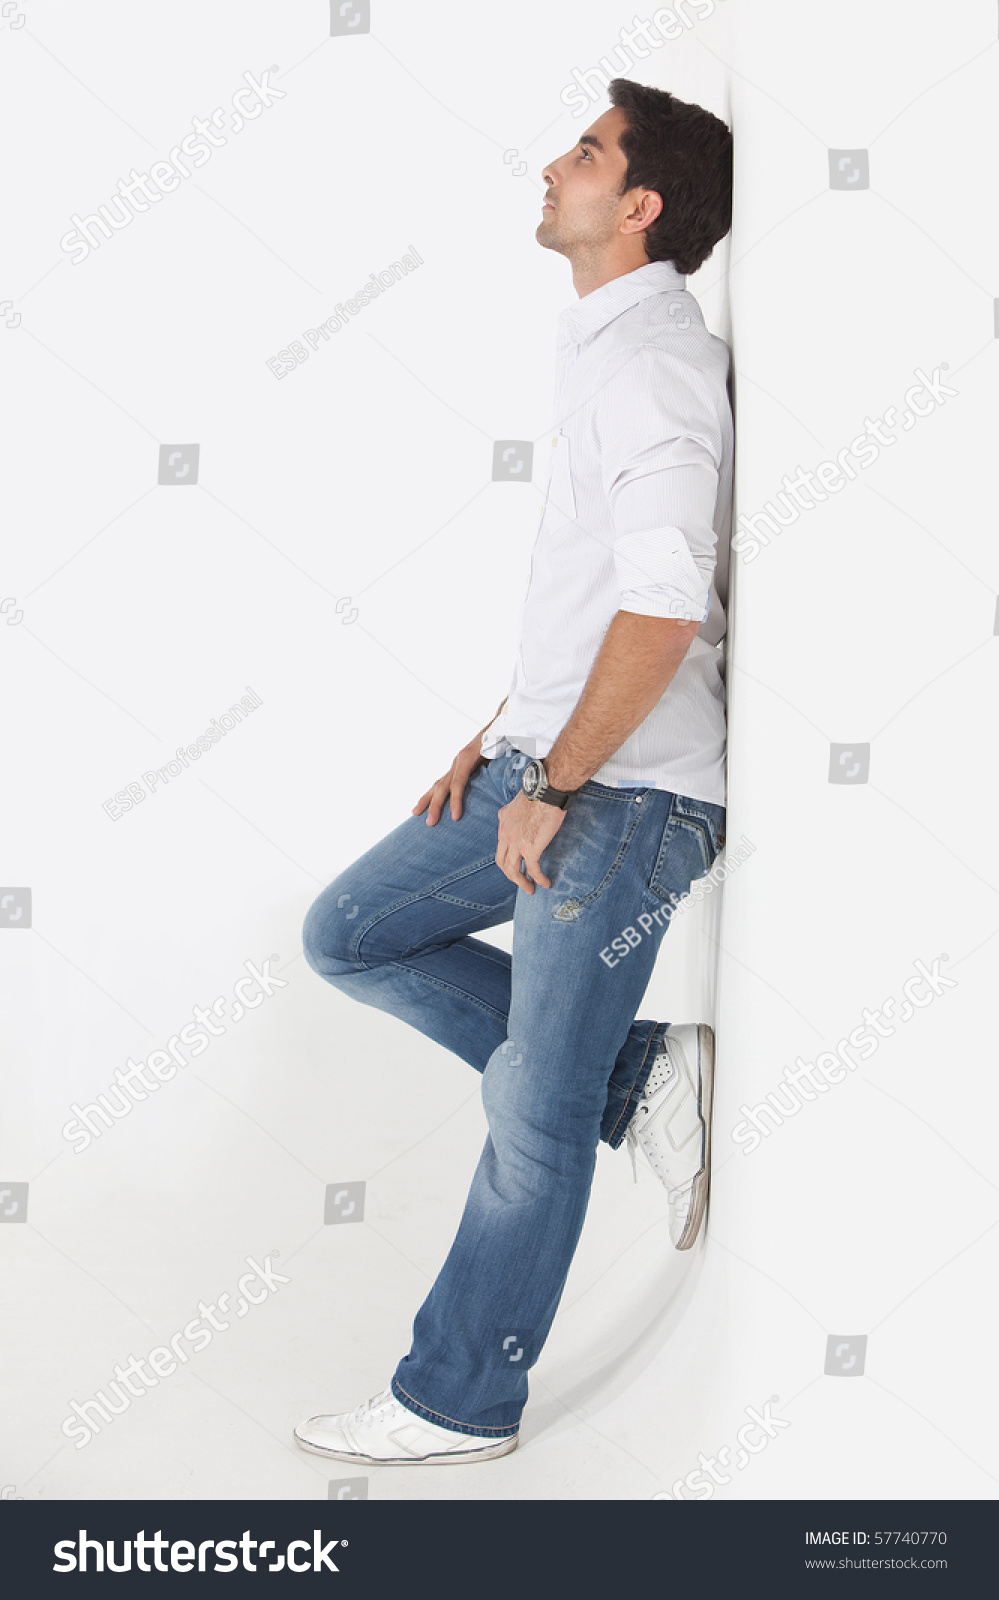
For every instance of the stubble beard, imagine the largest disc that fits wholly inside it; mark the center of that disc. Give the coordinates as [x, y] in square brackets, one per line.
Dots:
[592, 231]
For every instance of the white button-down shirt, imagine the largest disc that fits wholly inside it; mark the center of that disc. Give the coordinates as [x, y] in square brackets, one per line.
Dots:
[637, 517]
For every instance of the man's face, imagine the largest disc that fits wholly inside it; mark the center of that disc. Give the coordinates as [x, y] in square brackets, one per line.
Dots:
[584, 206]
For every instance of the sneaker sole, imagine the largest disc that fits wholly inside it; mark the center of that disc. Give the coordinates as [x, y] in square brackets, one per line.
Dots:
[699, 1190]
[451, 1458]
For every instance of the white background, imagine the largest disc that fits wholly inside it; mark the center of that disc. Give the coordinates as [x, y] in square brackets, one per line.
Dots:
[363, 480]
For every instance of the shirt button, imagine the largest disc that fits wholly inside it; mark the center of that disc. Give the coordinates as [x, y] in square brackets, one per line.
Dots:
[638, 799]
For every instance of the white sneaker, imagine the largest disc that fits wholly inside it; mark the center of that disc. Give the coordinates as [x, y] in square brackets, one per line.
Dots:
[383, 1433]
[672, 1125]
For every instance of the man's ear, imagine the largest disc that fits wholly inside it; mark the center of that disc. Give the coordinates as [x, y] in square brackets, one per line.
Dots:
[644, 212]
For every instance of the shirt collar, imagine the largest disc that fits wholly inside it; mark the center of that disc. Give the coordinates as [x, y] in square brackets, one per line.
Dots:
[594, 310]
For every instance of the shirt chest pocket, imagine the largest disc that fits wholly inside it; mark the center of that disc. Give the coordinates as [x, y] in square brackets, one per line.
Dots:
[560, 499]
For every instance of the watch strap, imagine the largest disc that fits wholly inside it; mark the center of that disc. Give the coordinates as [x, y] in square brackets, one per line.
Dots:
[556, 797]
[553, 797]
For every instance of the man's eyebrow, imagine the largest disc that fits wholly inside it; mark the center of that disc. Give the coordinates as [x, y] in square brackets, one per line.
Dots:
[591, 138]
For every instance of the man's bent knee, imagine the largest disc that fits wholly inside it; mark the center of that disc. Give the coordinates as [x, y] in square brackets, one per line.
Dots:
[328, 933]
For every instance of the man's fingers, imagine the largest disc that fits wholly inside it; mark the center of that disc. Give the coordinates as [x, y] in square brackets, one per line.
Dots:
[452, 786]
[464, 769]
[511, 868]
[521, 880]
[534, 868]
[437, 794]
[502, 861]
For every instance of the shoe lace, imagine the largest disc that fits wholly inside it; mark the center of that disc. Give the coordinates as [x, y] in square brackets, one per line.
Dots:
[631, 1139]
[663, 1068]
[373, 1409]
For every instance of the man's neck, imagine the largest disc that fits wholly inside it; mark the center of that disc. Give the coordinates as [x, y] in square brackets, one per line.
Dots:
[589, 273]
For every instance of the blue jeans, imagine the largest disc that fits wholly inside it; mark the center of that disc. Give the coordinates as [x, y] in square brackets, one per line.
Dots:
[552, 1030]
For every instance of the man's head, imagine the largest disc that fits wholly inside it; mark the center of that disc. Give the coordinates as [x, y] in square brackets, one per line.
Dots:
[650, 180]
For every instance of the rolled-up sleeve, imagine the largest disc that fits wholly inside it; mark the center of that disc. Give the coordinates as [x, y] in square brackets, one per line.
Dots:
[660, 451]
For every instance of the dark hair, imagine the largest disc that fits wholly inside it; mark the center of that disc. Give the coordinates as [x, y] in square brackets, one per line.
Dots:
[684, 153]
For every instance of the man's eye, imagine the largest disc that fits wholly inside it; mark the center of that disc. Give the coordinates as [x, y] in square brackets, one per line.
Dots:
[584, 152]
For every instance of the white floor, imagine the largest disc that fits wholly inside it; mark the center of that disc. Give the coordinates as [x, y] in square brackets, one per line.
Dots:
[652, 1363]
[103, 1270]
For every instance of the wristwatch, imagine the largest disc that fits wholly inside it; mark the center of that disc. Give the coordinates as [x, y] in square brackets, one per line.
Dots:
[535, 785]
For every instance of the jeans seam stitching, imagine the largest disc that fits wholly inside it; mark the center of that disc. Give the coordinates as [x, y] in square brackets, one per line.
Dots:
[614, 867]
[626, 795]
[701, 831]
[631, 1091]
[448, 988]
[411, 899]
[466, 905]
[490, 953]
[462, 1425]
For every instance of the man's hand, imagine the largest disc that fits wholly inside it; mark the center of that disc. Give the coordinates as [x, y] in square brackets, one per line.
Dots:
[453, 783]
[525, 828]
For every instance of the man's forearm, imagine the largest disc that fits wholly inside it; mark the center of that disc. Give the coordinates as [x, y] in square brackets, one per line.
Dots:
[634, 666]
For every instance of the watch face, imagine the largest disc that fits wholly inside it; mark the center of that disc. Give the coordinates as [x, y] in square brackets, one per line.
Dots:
[531, 778]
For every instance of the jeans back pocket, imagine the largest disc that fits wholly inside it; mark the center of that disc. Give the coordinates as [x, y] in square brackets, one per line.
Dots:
[693, 835]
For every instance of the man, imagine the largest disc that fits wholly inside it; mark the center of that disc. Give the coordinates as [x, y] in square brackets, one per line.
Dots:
[584, 810]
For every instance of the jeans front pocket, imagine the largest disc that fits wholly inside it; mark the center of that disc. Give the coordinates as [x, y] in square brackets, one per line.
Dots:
[590, 847]
[693, 835]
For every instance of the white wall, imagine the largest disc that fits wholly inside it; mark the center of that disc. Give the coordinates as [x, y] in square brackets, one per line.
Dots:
[362, 480]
